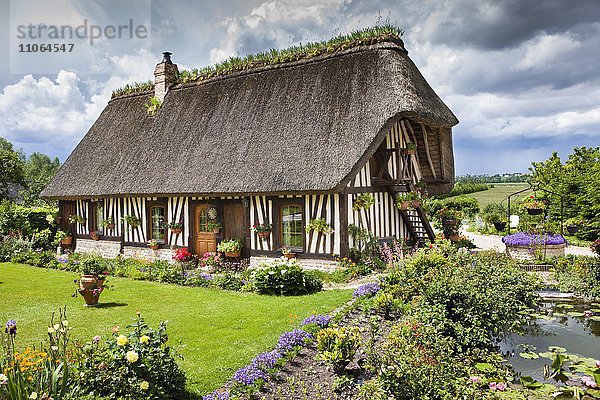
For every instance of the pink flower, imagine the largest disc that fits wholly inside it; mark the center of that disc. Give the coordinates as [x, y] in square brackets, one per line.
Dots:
[588, 313]
[589, 381]
[492, 385]
[501, 386]
[474, 379]
[96, 339]
[597, 364]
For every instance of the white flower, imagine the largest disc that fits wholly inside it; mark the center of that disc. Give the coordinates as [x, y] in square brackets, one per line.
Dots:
[283, 271]
[3, 379]
[50, 329]
[56, 327]
[54, 348]
[33, 395]
[65, 323]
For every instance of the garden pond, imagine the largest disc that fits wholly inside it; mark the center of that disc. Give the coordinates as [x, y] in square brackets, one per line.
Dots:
[560, 326]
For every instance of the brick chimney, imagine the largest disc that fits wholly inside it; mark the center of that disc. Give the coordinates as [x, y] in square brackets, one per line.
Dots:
[165, 75]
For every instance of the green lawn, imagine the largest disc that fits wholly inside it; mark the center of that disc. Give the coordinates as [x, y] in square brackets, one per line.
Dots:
[499, 193]
[216, 331]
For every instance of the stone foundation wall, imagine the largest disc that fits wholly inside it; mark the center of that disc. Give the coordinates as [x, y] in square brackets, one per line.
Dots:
[146, 253]
[104, 248]
[530, 252]
[305, 263]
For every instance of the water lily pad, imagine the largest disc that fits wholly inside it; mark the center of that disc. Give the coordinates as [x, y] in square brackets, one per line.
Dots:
[564, 305]
[596, 310]
[557, 349]
[559, 314]
[530, 383]
[529, 355]
[595, 318]
[575, 314]
[485, 367]
[547, 354]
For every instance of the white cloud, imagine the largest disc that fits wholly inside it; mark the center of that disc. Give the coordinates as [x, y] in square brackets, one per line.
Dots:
[56, 113]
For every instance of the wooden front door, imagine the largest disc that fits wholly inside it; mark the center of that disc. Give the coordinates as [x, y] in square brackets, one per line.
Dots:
[204, 240]
[234, 225]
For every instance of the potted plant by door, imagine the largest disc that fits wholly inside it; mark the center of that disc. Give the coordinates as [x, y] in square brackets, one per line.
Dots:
[498, 222]
[153, 244]
[406, 200]
[410, 149]
[63, 238]
[77, 219]
[94, 235]
[176, 227]
[231, 247]
[108, 223]
[534, 206]
[215, 227]
[287, 253]
[92, 280]
[262, 230]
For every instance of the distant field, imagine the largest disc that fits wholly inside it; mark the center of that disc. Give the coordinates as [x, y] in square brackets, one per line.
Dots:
[499, 193]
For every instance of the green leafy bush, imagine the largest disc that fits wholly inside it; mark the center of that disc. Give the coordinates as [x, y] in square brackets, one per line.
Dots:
[134, 364]
[337, 346]
[465, 204]
[285, 278]
[11, 245]
[578, 274]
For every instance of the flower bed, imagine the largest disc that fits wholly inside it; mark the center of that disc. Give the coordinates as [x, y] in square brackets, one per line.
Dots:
[523, 245]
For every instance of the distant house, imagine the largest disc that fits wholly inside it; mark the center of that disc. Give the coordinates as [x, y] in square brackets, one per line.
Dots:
[282, 144]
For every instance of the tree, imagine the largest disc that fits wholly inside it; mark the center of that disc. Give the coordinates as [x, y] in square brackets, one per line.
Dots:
[39, 170]
[12, 168]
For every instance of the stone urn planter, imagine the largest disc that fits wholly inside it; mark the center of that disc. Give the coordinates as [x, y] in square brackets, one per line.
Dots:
[264, 235]
[528, 246]
[90, 287]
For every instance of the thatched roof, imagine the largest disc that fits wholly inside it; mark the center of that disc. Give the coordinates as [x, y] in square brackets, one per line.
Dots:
[301, 126]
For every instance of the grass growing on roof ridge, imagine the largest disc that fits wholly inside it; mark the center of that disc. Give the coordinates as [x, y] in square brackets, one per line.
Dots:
[216, 331]
[367, 36]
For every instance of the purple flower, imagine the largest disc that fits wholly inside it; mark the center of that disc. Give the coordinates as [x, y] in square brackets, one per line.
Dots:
[368, 289]
[207, 277]
[11, 327]
[267, 360]
[288, 340]
[320, 320]
[529, 239]
[249, 375]
[216, 395]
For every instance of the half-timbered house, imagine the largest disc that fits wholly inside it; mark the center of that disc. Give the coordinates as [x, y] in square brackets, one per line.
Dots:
[282, 144]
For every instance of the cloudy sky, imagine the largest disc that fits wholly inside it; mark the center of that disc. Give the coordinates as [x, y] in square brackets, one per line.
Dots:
[522, 76]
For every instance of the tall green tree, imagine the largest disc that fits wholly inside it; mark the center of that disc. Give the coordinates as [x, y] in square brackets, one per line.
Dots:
[577, 180]
[12, 168]
[38, 171]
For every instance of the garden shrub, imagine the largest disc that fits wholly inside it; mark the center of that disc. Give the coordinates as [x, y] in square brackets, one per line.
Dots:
[11, 245]
[578, 274]
[465, 204]
[24, 220]
[285, 278]
[337, 346]
[136, 364]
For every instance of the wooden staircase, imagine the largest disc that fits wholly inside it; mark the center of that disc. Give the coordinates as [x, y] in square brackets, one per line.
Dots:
[418, 225]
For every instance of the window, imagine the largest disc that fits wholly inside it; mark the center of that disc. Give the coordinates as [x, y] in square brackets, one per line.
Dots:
[157, 223]
[202, 221]
[292, 233]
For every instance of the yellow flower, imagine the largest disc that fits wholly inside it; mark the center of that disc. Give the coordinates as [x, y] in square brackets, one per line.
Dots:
[50, 329]
[144, 339]
[56, 327]
[122, 340]
[131, 356]
[144, 385]
[33, 395]
[65, 323]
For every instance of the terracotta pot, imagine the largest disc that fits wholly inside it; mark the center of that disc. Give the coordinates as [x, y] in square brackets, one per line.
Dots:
[416, 203]
[410, 152]
[66, 241]
[90, 287]
[572, 229]
[447, 222]
[290, 256]
[534, 211]
[176, 231]
[235, 254]
[95, 237]
[153, 247]
[57, 220]
[264, 235]
[499, 225]
[110, 226]
[404, 205]
[216, 230]
[454, 237]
